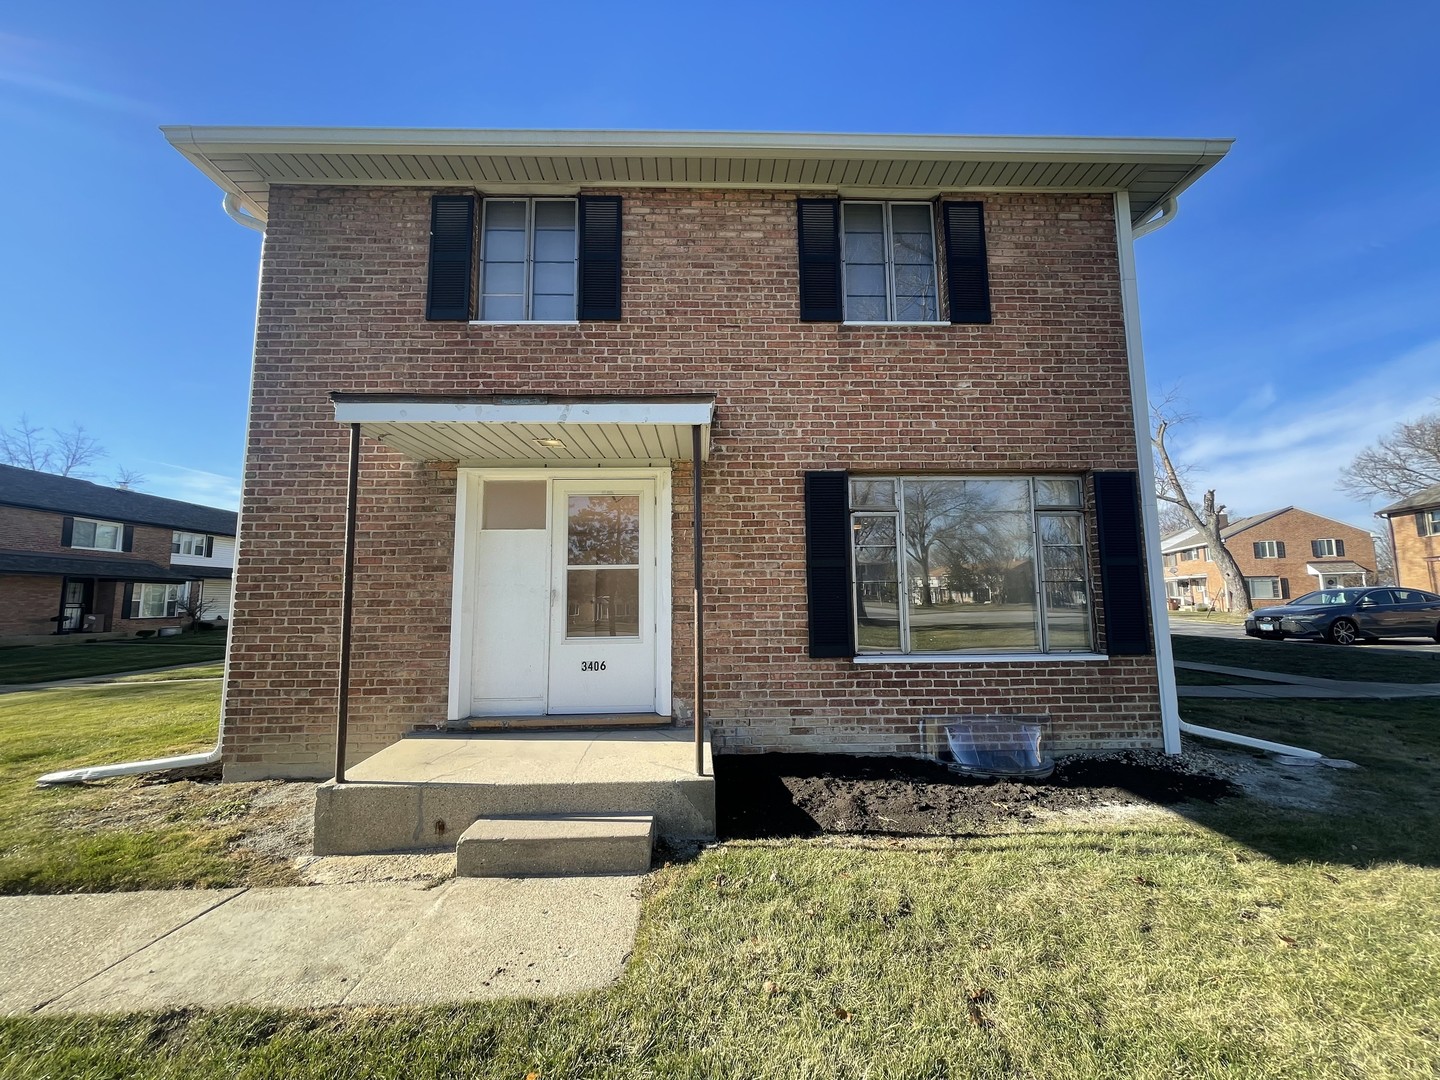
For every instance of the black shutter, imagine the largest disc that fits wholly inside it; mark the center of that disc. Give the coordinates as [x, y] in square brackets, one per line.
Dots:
[1284, 588]
[1315, 549]
[452, 254]
[827, 563]
[599, 257]
[1280, 549]
[1259, 552]
[1422, 523]
[209, 547]
[1339, 548]
[128, 601]
[1122, 564]
[67, 532]
[965, 264]
[818, 229]
[127, 538]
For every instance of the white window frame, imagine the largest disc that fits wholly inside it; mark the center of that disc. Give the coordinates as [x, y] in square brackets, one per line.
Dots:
[1038, 509]
[1267, 549]
[1427, 522]
[1276, 594]
[891, 320]
[179, 539]
[97, 523]
[1328, 547]
[528, 300]
[171, 598]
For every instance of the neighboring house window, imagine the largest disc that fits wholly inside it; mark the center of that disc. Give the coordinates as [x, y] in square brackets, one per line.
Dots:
[183, 543]
[1264, 588]
[1269, 549]
[154, 601]
[982, 565]
[97, 535]
[888, 252]
[1171, 562]
[1322, 549]
[528, 256]
[1427, 523]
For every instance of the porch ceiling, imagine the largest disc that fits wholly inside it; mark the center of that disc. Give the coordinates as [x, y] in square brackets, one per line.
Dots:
[533, 431]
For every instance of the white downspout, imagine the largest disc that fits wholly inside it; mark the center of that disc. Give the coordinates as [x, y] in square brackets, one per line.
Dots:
[1149, 508]
[1170, 722]
[231, 206]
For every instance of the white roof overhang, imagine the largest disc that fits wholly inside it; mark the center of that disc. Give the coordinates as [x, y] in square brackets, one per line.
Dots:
[246, 161]
[533, 431]
[1345, 567]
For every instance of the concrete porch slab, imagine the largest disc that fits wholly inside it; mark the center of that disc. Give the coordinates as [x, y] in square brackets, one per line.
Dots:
[421, 793]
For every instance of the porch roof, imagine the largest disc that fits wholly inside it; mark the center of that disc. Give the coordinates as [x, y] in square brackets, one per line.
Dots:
[534, 430]
[1343, 566]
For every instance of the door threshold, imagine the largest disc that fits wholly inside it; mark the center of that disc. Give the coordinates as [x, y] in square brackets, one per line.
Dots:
[567, 722]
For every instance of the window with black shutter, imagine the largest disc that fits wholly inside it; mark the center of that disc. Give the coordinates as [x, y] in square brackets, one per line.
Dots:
[827, 563]
[1122, 565]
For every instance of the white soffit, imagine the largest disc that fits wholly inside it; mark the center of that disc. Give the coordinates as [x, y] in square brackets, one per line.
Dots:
[246, 161]
[539, 432]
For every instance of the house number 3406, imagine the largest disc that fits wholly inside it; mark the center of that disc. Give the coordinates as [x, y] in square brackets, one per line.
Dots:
[592, 665]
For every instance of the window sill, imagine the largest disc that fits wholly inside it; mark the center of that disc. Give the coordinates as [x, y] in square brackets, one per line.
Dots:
[979, 658]
[108, 551]
[887, 322]
[524, 322]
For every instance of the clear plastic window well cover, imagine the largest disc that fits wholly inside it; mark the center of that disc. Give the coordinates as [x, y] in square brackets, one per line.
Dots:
[991, 745]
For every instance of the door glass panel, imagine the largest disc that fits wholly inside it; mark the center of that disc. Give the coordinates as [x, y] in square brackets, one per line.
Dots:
[514, 504]
[603, 530]
[602, 603]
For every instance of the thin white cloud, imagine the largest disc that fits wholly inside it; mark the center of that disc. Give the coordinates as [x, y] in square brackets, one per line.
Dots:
[191, 485]
[1292, 454]
[37, 70]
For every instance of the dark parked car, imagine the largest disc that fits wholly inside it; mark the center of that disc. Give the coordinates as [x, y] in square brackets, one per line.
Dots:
[1345, 616]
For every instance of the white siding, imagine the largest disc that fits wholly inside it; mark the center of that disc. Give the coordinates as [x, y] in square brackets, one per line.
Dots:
[217, 600]
[222, 554]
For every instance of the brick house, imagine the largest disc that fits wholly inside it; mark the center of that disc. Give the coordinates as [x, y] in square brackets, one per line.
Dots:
[1282, 553]
[77, 557]
[1415, 538]
[877, 400]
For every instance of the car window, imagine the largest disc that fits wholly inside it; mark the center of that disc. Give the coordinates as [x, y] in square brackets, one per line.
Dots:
[1381, 596]
[1406, 596]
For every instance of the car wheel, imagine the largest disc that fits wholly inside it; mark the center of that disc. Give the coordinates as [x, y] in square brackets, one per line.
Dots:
[1342, 632]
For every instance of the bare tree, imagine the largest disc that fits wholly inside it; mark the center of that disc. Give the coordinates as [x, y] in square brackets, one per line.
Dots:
[1405, 461]
[1170, 488]
[1384, 559]
[127, 479]
[66, 453]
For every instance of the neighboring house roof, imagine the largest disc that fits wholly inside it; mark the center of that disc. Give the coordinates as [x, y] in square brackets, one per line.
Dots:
[1191, 537]
[25, 562]
[246, 161]
[1421, 500]
[67, 495]
[1336, 566]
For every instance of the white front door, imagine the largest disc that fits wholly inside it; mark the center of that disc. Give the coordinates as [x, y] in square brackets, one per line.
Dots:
[602, 598]
[562, 596]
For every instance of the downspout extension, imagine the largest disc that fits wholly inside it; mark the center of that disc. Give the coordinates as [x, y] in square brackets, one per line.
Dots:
[1301, 755]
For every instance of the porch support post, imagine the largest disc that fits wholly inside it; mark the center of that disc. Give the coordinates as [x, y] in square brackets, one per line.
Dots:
[347, 579]
[699, 603]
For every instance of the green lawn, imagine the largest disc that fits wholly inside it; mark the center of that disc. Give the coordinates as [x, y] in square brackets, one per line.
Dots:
[45, 663]
[1240, 940]
[1235, 618]
[1185, 677]
[47, 730]
[1361, 663]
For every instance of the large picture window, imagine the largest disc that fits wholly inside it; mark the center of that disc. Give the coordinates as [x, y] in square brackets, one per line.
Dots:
[969, 565]
[156, 601]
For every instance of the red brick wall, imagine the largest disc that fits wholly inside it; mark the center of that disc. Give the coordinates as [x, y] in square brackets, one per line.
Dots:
[28, 605]
[710, 307]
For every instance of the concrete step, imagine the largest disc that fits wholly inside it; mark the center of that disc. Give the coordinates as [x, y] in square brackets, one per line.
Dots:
[556, 844]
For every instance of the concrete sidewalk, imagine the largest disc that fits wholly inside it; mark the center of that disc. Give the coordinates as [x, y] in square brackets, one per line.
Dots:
[1300, 686]
[112, 678]
[464, 940]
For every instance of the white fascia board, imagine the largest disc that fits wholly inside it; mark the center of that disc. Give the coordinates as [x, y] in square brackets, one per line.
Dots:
[430, 412]
[680, 143]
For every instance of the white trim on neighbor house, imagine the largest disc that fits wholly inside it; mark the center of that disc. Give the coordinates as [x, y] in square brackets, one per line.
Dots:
[1150, 508]
[463, 605]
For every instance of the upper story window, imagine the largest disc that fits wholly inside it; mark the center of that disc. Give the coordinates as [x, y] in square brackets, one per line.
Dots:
[96, 535]
[1427, 523]
[1269, 549]
[1327, 549]
[528, 256]
[877, 262]
[540, 259]
[888, 252]
[1195, 554]
[1170, 561]
[184, 543]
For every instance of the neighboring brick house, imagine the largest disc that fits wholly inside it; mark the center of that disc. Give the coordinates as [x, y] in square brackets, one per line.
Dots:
[1415, 538]
[909, 367]
[1282, 553]
[77, 557]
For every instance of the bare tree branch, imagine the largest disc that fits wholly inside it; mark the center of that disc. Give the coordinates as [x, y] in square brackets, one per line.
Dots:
[75, 450]
[128, 479]
[1405, 461]
[68, 453]
[23, 445]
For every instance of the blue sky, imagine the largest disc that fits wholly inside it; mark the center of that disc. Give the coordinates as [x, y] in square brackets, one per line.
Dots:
[1295, 302]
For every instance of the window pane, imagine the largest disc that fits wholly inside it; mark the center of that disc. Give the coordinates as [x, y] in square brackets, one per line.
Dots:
[865, 309]
[504, 245]
[1067, 600]
[514, 504]
[862, 218]
[970, 561]
[502, 307]
[504, 279]
[879, 493]
[83, 534]
[1057, 491]
[865, 279]
[555, 245]
[602, 603]
[555, 214]
[152, 601]
[560, 308]
[603, 530]
[877, 584]
[505, 214]
[554, 278]
[107, 536]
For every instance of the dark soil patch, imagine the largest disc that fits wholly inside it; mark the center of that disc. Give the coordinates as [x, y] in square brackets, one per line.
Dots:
[773, 795]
